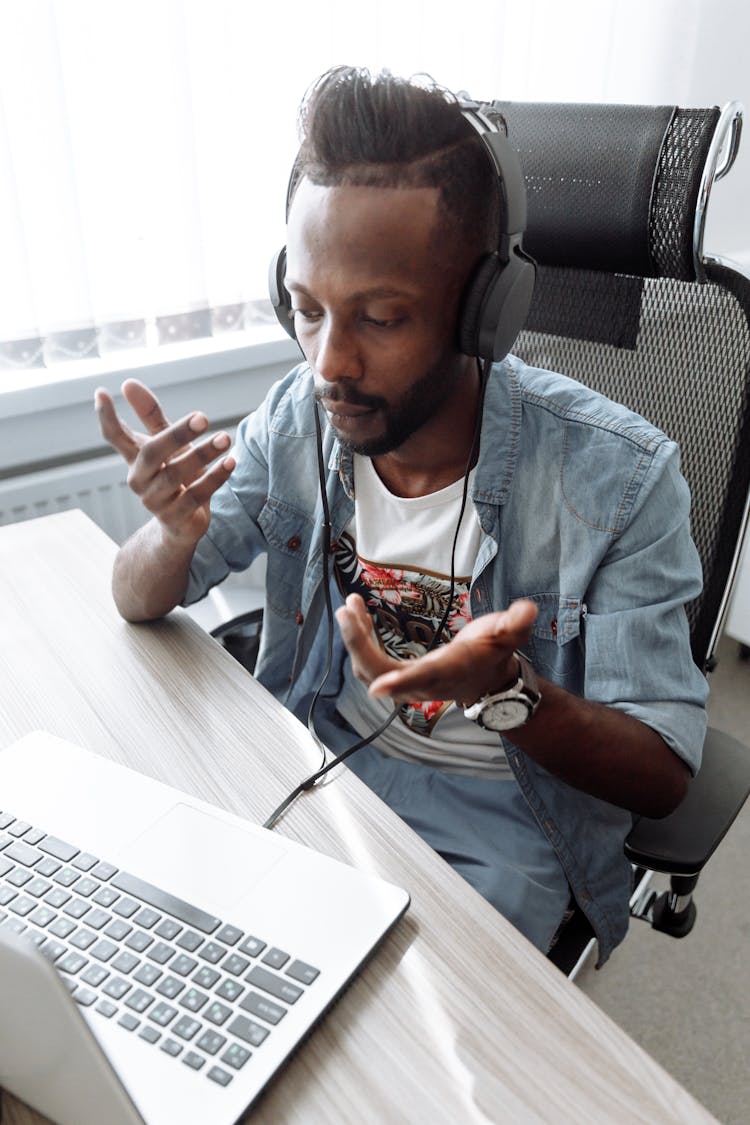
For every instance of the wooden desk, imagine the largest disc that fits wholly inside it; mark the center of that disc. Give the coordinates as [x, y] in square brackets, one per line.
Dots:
[457, 1018]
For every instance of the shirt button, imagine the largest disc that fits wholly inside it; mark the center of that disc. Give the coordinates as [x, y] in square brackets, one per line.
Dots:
[294, 543]
[553, 626]
[298, 617]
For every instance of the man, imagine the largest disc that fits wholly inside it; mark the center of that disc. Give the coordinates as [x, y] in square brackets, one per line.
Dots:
[559, 585]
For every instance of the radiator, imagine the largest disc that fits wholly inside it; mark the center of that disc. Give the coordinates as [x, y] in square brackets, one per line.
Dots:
[97, 487]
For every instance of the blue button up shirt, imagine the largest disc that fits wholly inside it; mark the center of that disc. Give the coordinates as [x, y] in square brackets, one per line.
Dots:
[583, 510]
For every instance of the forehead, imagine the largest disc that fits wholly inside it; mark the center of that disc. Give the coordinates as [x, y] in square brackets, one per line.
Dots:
[362, 235]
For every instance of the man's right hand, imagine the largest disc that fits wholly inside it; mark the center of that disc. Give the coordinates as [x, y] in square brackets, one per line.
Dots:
[172, 473]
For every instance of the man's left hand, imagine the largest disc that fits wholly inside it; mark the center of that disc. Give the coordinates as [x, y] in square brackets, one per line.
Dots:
[478, 660]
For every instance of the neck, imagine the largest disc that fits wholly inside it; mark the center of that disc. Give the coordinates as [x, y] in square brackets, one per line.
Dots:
[436, 455]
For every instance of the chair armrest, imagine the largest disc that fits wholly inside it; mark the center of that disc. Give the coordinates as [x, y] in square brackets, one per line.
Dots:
[683, 842]
[251, 617]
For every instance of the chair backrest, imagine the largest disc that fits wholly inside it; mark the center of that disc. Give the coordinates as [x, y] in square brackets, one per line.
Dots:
[626, 302]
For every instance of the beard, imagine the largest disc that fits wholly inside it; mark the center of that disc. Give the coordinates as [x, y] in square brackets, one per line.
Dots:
[422, 399]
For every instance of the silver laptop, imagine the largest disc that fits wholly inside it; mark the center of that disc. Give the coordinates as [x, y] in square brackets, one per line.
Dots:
[159, 957]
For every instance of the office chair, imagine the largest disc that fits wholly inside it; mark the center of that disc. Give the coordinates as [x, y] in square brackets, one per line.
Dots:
[627, 302]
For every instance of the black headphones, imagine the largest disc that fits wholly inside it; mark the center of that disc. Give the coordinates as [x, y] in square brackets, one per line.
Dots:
[497, 298]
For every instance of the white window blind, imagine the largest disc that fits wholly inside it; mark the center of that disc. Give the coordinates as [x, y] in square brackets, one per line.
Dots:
[145, 145]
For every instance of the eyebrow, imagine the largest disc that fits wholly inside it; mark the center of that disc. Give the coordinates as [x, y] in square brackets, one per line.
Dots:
[377, 292]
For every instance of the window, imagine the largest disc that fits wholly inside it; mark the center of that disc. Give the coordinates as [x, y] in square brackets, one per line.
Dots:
[145, 145]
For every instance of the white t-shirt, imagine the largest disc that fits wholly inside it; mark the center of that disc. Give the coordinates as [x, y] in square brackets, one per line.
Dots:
[396, 553]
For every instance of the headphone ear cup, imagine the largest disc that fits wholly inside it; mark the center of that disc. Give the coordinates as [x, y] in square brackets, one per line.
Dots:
[277, 291]
[473, 303]
[495, 305]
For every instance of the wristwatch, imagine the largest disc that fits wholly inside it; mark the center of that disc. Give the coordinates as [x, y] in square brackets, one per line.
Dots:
[506, 710]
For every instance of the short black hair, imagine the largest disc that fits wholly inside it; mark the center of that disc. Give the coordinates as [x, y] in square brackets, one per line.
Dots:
[385, 131]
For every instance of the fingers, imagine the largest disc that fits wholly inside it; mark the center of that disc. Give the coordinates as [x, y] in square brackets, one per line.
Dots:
[158, 482]
[479, 659]
[112, 427]
[358, 634]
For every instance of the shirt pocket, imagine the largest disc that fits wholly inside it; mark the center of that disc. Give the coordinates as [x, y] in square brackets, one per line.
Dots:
[288, 533]
[555, 647]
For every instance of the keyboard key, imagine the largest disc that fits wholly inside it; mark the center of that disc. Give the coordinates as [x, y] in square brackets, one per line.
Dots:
[230, 935]
[212, 952]
[139, 940]
[183, 965]
[86, 886]
[22, 853]
[128, 1021]
[58, 848]
[85, 861]
[98, 918]
[116, 988]
[162, 1013]
[62, 927]
[217, 1013]
[170, 987]
[190, 941]
[42, 916]
[261, 1006]
[168, 929]
[191, 1058]
[235, 964]
[33, 835]
[18, 828]
[71, 963]
[107, 1008]
[57, 897]
[118, 929]
[170, 904]
[104, 950]
[139, 1000]
[6, 894]
[186, 1027]
[76, 908]
[171, 1046]
[276, 958]
[147, 974]
[146, 917]
[249, 1031]
[161, 952]
[16, 925]
[83, 939]
[216, 1074]
[84, 996]
[106, 896]
[66, 876]
[205, 977]
[53, 949]
[275, 985]
[193, 1000]
[103, 870]
[38, 887]
[23, 905]
[211, 1042]
[252, 946]
[19, 876]
[236, 1056]
[230, 989]
[126, 907]
[150, 1034]
[302, 972]
[94, 975]
[6, 819]
[6, 865]
[47, 866]
[125, 962]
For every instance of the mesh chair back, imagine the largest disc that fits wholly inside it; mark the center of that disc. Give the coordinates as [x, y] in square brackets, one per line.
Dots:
[627, 314]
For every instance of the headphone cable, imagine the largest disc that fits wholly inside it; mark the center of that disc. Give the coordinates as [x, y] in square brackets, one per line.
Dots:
[313, 778]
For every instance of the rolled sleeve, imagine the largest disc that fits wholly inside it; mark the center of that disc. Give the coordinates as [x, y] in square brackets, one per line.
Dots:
[637, 642]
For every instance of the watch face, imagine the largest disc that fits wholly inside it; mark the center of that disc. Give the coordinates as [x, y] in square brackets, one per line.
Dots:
[505, 714]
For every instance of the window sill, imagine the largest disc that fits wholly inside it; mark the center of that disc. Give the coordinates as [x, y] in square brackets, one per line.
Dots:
[47, 417]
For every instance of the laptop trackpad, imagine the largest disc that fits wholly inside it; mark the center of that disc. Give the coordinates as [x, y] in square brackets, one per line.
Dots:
[201, 857]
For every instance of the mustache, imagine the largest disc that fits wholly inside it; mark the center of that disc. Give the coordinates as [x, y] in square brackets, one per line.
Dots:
[349, 396]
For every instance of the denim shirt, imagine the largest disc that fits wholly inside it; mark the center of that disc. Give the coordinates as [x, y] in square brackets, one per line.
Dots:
[583, 510]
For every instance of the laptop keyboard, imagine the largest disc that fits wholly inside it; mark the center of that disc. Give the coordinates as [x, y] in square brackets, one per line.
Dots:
[192, 985]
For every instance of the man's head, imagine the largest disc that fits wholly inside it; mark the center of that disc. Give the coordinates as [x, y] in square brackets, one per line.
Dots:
[394, 202]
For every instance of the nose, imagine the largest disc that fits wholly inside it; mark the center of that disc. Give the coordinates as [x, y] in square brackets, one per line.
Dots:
[336, 352]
